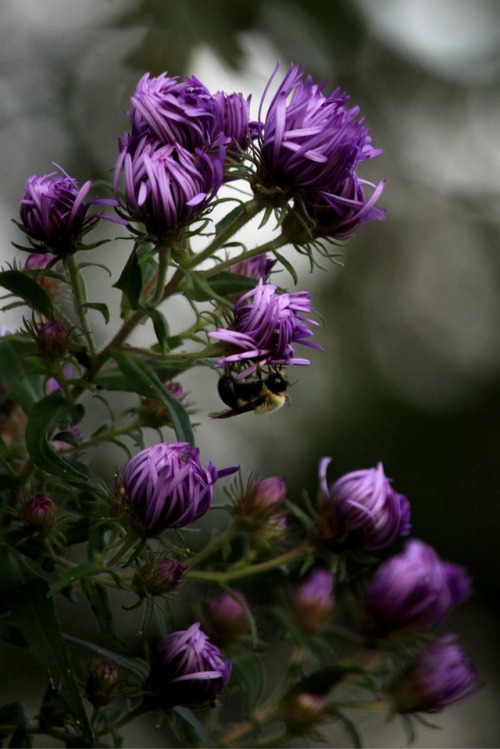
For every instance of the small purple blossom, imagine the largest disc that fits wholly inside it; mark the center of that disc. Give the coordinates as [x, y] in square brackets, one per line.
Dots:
[101, 682]
[266, 324]
[313, 601]
[414, 590]
[441, 675]
[180, 113]
[167, 487]
[228, 618]
[166, 187]
[234, 123]
[54, 212]
[255, 267]
[366, 507]
[187, 669]
[39, 513]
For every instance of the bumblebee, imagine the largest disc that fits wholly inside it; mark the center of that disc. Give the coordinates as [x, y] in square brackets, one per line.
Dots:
[262, 394]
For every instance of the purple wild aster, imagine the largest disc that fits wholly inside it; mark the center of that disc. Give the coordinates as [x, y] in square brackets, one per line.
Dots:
[255, 267]
[313, 601]
[39, 514]
[158, 577]
[365, 508]
[166, 486]
[440, 676]
[266, 324]
[187, 669]
[54, 212]
[166, 187]
[234, 123]
[413, 591]
[311, 145]
[173, 112]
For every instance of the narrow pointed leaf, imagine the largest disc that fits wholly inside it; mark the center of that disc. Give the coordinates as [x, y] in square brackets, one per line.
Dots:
[146, 382]
[23, 286]
[25, 594]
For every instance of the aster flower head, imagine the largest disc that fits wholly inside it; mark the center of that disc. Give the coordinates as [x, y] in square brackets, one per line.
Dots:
[174, 112]
[234, 121]
[365, 507]
[258, 267]
[440, 676]
[266, 324]
[166, 486]
[413, 591]
[187, 669]
[313, 601]
[39, 513]
[54, 212]
[102, 678]
[166, 187]
[51, 337]
[311, 140]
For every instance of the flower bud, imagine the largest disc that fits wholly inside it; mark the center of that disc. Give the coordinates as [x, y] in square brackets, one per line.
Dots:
[304, 712]
[413, 591]
[101, 682]
[167, 487]
[51, 338]
[440, 676]
[361, 510]
[227, 617]
[158, 577]
[152, 411]
[261, 502]
[313, 602]
[39, 514]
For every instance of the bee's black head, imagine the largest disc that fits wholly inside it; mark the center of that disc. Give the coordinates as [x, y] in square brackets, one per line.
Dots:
[276, 382]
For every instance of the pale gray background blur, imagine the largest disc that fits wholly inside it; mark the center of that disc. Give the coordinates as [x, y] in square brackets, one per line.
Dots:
[410, 374]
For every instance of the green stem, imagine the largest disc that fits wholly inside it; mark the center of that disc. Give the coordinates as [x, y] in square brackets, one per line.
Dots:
[109, 435]
[273, 244]
[163, 262]
[130, 539]
[249, 211]
[211, 548]
[131, 715]
[76, 283]
[256, 569]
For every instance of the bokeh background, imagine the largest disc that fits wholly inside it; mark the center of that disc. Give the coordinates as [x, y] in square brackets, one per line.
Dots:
[410, 374]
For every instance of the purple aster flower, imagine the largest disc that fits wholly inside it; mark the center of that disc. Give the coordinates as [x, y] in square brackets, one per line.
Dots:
[174, 112]
[266, 324]
[54, 212]
[310, 147]
[101, 682]
[440, 676]
[255, 267]
[167, 487]
[366, 507]
[234, 123]
[167, 186]
[39, 513]
[313, 601]
[414, 590]
[187, 669]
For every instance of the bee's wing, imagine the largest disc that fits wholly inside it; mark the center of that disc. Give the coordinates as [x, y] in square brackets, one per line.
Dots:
[246, 408]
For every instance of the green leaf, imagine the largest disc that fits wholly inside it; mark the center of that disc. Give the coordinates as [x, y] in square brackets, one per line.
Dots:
[288, 265]
[230, 218]
[70, 577]
[97, 596]
[161, 329]
[100, 307]
[249, 668]
[146, 382]
[191, 721]
[200, 290]
[138, 666]
[25, 593]
[130, 283]
[51, 412]
[18, 371]
[23, 286]
[225, 283]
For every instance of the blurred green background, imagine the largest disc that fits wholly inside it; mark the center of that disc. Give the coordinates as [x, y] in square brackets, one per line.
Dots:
[410, 374]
